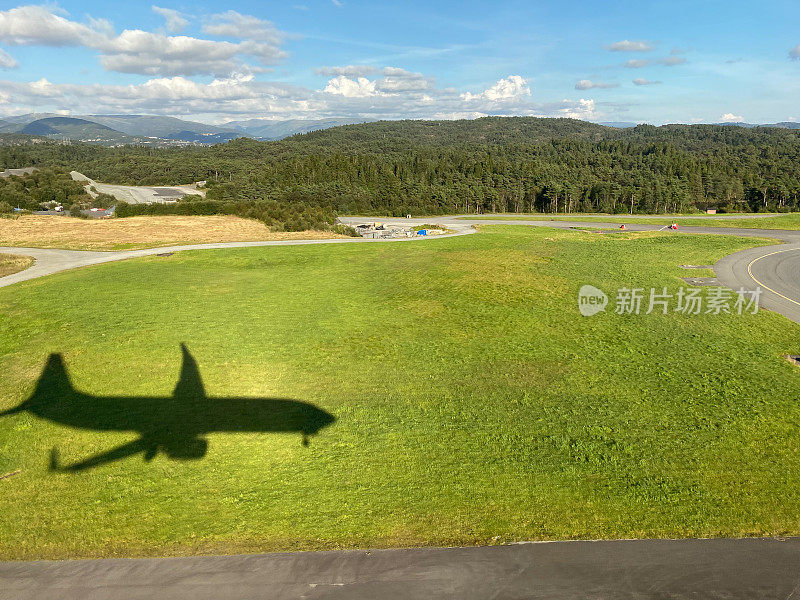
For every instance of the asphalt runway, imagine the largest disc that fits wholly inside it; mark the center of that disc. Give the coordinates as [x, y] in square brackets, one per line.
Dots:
[625, 569]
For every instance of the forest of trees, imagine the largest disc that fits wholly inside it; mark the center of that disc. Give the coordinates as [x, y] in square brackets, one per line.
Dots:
[45, 188]
[496, 164]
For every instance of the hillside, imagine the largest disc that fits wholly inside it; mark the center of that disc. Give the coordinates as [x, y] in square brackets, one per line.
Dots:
[75, 129]
[517, 164]
[270, 129]
[153, 125]
[487, 130]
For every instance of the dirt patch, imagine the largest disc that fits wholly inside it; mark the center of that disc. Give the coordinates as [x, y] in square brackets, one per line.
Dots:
[41, 231]
[11, 263]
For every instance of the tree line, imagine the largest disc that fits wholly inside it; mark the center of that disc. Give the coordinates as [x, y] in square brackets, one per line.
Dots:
[496, 164]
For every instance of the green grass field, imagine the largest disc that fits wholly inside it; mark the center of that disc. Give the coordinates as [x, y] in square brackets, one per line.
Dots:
[786, 221]
[473, 403]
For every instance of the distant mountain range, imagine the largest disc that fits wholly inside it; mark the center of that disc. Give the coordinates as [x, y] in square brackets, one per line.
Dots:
[110, 130]
[157, 130]
[113, 130]
[618, 124]
[267, 129]
[781, 125]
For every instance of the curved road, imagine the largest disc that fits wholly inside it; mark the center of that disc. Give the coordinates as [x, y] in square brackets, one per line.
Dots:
[775, 269]
[49, 260]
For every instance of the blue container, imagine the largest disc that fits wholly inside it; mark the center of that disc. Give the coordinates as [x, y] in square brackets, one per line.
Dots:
[422, 232]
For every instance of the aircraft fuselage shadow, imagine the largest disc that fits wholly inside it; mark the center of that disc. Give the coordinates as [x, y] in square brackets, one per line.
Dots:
[173, 425]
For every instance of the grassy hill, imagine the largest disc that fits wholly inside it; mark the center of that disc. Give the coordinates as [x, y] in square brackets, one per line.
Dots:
[473, 403]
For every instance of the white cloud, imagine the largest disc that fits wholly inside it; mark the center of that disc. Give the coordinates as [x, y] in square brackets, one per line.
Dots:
[175, 21]
[338, 3]
[397, 79]
[586, 84]
[148, 53]
[39, 26]
[671, 61]
[641, 81]
[731, 118]
[794, 53]
[346, 71]
[243, 27]
[242, 96]
[630, 46]
[135, 51]
[578, 109]
[509, 88]
[7, 61]
[350, 88]
[44, 88]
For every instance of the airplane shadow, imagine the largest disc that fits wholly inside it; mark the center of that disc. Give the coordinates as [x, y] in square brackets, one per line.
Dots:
[174, 425]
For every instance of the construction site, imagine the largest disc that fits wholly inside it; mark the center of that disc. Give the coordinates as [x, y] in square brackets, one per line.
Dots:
[378, 230]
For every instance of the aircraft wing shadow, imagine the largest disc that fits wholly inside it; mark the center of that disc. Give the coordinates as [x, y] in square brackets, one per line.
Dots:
[123, 451]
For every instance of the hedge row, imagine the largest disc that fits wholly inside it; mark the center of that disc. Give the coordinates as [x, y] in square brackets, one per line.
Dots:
[278, 216]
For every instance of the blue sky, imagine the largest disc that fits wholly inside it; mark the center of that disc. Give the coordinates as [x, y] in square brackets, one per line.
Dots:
[652, 62]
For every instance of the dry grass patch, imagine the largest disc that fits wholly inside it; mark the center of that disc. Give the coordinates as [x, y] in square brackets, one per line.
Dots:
[11, 263]
[41, 231]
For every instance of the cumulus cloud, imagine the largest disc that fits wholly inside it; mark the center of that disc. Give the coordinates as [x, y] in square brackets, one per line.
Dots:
[637, 63]
[7, 61]
[39, 26]
[346, 71]
[135, 51]
[641, 81]
[630, 46]
[509, 88]
[572, 109]
[148, 53]
[794, 53]
[731, 118]
[242, 96]
[175, 21]
[586, 84]
[360, 87]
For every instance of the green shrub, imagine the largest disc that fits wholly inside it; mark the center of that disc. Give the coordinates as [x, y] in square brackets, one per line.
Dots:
[279, 216]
